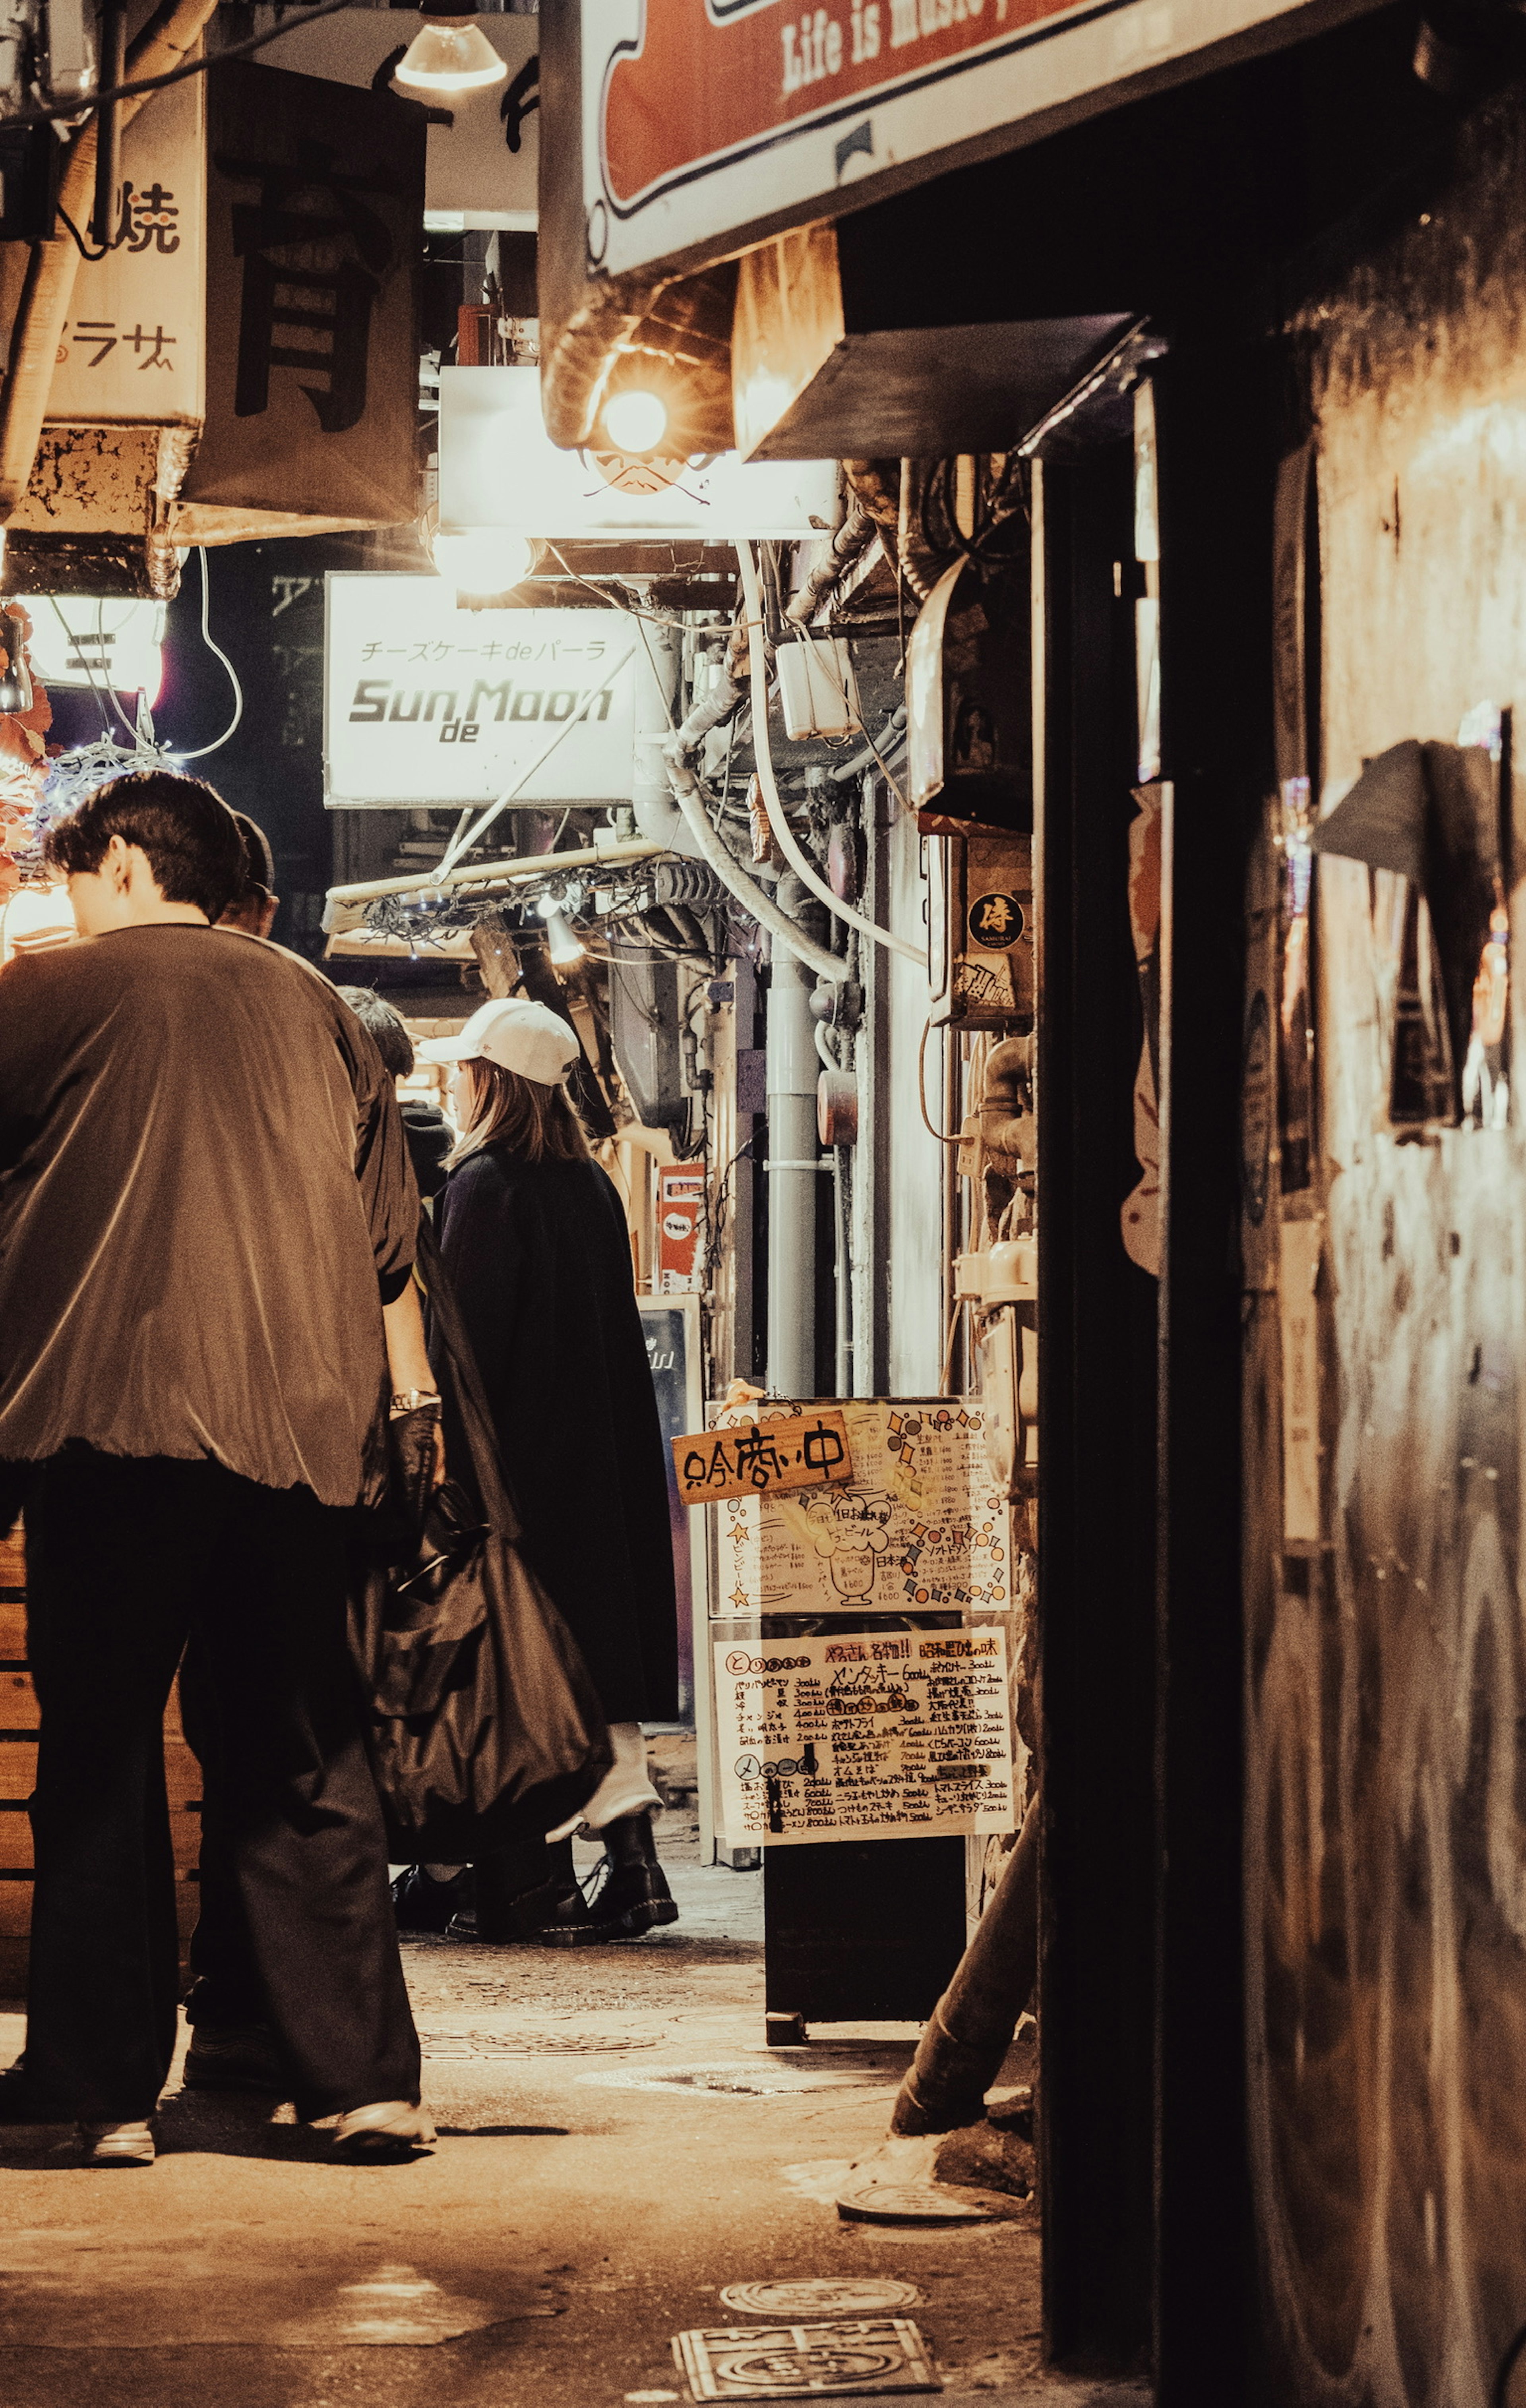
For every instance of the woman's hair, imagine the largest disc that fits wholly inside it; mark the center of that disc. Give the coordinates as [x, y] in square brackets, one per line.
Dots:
[532, 1121]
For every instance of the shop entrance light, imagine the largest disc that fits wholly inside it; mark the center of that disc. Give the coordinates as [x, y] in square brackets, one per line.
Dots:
[634, 422]
[449, 54]
[483, 560]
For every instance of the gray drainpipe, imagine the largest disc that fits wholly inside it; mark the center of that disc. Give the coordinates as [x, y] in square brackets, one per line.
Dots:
[792, 1067]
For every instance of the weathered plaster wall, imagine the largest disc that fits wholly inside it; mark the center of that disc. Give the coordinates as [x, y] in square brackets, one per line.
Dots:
[1386, 1845]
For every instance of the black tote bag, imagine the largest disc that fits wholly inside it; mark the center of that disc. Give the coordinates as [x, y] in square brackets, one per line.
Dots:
[483, 1724]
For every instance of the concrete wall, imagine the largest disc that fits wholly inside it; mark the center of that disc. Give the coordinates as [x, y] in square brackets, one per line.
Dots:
[1385, 1846]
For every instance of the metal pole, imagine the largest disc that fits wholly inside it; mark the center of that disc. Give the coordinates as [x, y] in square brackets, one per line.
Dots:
[108, 125]
[794, 1158]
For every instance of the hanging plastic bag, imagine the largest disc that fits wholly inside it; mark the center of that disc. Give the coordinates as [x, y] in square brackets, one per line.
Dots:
[484, 1723]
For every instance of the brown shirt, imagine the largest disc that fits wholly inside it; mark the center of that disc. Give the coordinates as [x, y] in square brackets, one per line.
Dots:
[203, 1177]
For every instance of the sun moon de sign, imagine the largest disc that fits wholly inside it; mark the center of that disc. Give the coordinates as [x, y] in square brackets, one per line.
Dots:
[426, 702]
[762, 1458]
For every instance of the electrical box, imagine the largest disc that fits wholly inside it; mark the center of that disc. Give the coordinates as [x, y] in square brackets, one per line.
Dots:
[980, 930]
[817, 687]
[969, 703]
[644, 1031]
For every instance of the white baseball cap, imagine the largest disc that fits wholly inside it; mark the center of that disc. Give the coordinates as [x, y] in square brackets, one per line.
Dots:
[528, 1038]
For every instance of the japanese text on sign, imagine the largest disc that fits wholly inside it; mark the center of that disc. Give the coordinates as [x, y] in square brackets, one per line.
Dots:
[865, 1738]
[758, 1458]
[921, 1523]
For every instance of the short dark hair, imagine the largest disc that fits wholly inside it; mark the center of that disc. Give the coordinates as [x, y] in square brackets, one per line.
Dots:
[382, 1025]
[192, 840]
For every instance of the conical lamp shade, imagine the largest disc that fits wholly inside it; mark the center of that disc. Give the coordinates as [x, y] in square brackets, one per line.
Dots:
[449, 54]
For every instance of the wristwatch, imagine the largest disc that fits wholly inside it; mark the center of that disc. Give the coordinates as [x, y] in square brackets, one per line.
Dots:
[409, 1400]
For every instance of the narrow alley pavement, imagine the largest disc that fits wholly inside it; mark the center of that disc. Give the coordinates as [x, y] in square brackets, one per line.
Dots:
[617, 2143]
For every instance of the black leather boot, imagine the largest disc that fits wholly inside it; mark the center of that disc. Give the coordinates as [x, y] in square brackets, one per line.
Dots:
[520, 1891]
[421, 1903]
[629, 1892]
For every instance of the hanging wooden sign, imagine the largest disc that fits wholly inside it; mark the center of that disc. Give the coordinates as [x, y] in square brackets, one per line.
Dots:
[763, 1458]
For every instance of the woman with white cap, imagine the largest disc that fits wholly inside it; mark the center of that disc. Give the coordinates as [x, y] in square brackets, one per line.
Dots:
[534, 1239]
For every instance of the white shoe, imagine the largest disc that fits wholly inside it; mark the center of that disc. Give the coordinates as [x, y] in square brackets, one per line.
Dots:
[117, 2145]
[389, 2130]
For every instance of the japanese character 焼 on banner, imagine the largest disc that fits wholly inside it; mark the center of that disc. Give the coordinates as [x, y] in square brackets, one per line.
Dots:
[315, 198]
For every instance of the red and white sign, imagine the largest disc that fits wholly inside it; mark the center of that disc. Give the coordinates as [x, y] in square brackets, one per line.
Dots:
[680, 1229]
[708, 122]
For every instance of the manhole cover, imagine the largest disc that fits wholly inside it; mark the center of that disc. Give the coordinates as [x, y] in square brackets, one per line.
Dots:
[762, 2081]
[915, 2203]
[439, 2048]
[840, 2295]
[851, 2353]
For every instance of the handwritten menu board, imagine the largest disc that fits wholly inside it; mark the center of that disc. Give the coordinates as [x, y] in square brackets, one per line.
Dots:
[921, 1524]
[863, 1738]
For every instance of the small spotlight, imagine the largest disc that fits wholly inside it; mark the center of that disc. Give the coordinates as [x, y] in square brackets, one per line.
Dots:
[634, 422]
[15, 680]
[566, 946]
[483, 560]
[448, 54]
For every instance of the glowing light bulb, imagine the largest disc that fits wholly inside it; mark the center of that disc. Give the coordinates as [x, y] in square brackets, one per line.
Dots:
[448, 54]
[634, 422]
[483, 560]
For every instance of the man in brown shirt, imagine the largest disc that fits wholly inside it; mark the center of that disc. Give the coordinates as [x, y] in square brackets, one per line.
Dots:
[207, 1226]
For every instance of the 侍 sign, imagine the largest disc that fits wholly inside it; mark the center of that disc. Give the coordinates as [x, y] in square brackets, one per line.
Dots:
[425, 703]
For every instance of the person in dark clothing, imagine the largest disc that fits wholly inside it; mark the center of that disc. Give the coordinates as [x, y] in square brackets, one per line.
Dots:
[207, 1231]
[428, 1132]
[534, 1240]
[255, 906]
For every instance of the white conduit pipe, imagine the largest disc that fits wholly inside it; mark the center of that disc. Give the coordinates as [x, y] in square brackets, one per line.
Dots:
[804, 868]
[748, 895]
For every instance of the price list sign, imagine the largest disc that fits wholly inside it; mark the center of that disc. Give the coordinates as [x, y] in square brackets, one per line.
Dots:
[878, 1737]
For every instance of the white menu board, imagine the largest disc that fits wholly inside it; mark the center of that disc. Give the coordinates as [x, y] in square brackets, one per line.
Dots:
[873, 1737]
[921, 1524]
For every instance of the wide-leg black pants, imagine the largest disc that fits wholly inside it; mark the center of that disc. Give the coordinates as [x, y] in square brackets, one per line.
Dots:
[127, 1557]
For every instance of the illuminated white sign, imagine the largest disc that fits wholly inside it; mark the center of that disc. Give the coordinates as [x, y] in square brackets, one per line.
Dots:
[499, 467]
[426, 703]
[112, 646]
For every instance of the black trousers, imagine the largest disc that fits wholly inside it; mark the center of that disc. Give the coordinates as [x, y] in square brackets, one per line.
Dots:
[126, 1558]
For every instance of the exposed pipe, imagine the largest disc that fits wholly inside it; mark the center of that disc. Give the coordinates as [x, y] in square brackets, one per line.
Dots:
[48, 286]
[687, 795]
[109, 123]
[851, 541]
[971, 2029]
[793, 1170]
[482, 873]
[789, 846]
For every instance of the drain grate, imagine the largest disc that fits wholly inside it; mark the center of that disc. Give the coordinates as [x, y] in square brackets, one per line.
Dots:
[440, 2048]
[850, 2354]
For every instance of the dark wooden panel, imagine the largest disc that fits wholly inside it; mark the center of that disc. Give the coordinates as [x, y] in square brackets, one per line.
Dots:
[863, 1929]
[1097, 1454]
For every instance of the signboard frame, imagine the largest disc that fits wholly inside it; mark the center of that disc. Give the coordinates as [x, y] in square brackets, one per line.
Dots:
[411, 610]
[981, 77]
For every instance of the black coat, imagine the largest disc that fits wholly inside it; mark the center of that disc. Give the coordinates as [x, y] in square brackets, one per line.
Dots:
[538, 1257]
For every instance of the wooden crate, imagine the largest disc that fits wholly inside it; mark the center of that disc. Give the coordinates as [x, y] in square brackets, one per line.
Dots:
[17, 1767]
